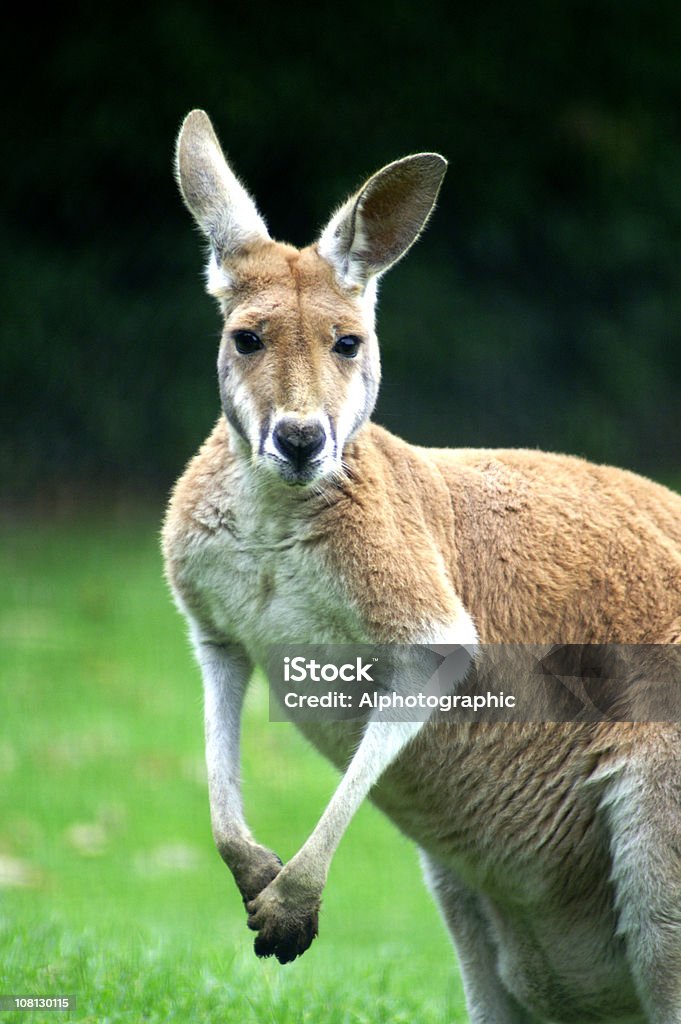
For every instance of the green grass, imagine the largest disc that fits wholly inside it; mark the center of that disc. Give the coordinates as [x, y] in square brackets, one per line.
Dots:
[110, 889]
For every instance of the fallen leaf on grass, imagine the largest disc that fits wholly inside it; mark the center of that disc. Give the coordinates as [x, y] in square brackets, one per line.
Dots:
[168, 859]
[17, 874]
[89, 839]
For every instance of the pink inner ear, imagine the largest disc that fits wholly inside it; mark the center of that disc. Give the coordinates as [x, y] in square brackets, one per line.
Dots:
[393, 209]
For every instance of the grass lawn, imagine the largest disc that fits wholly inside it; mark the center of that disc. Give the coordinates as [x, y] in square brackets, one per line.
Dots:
[110, 889]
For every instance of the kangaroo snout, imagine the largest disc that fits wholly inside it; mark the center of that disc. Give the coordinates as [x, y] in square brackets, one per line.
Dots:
[298, 441]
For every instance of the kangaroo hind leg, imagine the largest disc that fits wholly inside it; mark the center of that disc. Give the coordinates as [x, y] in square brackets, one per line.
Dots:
[487, 999]
[643, 807]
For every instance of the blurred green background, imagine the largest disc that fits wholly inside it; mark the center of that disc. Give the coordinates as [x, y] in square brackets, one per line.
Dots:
[542, 308]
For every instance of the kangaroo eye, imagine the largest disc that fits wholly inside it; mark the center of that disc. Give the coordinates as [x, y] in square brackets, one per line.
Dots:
[247, 342]
[348, 346]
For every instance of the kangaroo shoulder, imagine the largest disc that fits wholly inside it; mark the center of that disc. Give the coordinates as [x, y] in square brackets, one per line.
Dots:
[201, 500]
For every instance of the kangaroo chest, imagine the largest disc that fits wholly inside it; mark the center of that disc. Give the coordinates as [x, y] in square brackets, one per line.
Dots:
[259, 581]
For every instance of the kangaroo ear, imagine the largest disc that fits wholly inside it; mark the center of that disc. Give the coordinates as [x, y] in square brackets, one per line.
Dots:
[219, 203]
[377, 225]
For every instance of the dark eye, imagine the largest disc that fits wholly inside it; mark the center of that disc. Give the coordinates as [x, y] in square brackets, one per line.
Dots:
[246, 342]
[348, 346]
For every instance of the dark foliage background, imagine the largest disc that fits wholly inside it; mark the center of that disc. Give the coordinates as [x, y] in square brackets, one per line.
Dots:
[542, 308]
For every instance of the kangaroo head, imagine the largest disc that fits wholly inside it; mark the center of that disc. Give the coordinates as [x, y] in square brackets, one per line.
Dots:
[299, 365]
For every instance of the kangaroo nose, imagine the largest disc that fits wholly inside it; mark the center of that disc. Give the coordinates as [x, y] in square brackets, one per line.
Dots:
[298, 442]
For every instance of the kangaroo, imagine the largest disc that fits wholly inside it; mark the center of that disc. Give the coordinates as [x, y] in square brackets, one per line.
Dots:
[552, 849]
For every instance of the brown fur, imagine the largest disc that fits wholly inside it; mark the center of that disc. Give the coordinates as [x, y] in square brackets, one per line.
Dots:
[540, 548]
[292, 301]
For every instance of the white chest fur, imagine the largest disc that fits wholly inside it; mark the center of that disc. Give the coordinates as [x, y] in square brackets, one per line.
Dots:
[252, 571]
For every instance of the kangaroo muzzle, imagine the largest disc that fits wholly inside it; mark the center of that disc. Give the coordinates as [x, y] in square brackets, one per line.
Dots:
[298, 442]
